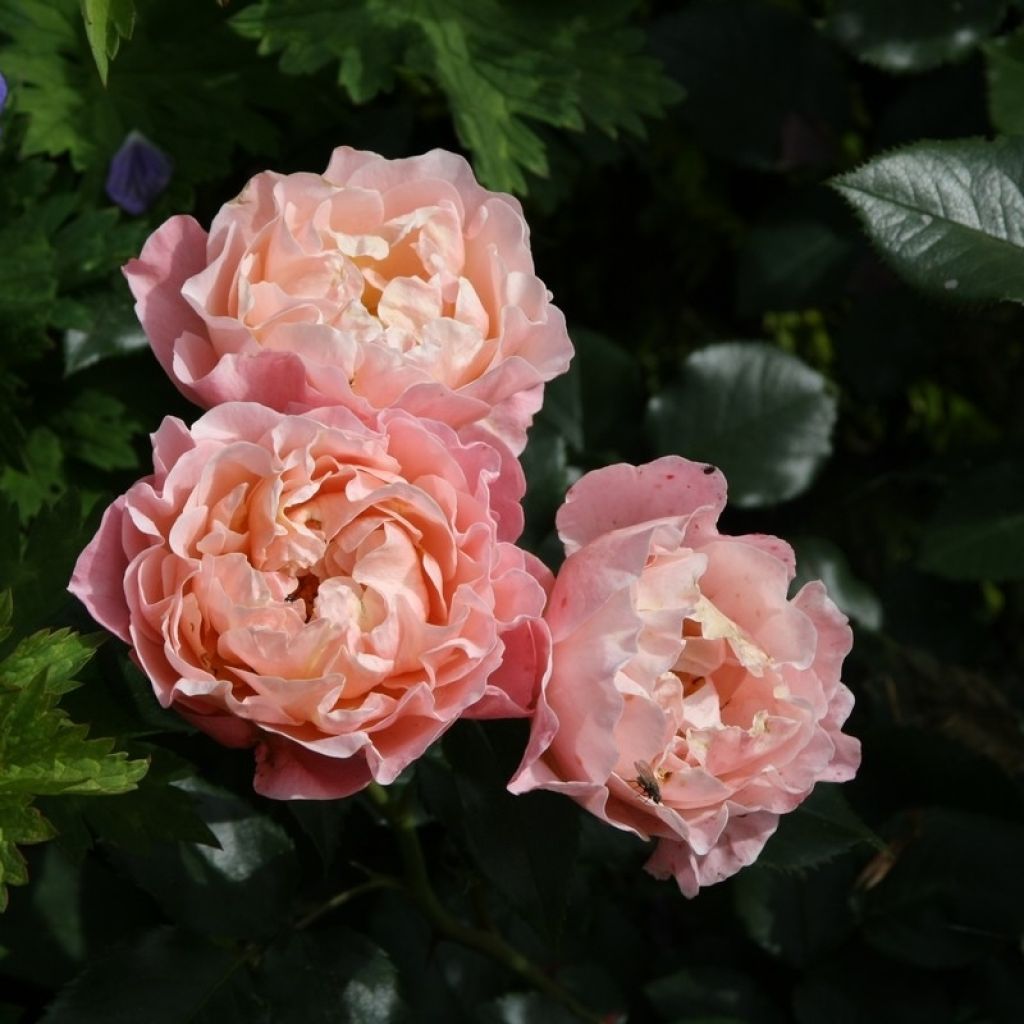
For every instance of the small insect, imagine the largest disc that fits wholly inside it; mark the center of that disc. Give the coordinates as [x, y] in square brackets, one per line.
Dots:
[708, 469]
[646, 782]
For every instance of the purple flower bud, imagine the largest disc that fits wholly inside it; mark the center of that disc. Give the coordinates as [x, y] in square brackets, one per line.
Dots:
[138, 173]
[3, 93]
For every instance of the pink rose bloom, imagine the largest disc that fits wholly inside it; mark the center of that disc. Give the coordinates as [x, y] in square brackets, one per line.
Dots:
[690, 700]
[378, 284]
[332, 593]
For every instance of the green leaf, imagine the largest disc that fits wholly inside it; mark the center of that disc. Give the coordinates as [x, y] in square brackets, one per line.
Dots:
[912, 35]
[545, 463]
[99, 431]
[1004, 62]
[948, 216]
[611, 395]
[797, 257]
[525, 845]
[107, 22]
[242, 889]
[112, 330]
[820, 829]
[503, 68]
[20, 825]
[709, 993]
[331, 977]
[797, 918]
[820, 559]
[42, 479]
[977, 532]
[41, 751]
[183, 68]
[762, 416]
[165, 976]
[37, 563]
[524, 1008]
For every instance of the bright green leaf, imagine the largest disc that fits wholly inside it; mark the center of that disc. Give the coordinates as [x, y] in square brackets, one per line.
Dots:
[107, 22]
[949, 216]
[762, 416]
[504, 68]
[977, 533]
[912, 35]
[41, 751]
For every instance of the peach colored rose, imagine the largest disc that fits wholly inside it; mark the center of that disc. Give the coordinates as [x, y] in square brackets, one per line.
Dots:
[378, 284]
[690, 701]
[332, 593]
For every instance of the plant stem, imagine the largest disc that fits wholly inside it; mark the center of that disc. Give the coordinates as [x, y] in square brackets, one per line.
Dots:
[377, 882]
[422, 891]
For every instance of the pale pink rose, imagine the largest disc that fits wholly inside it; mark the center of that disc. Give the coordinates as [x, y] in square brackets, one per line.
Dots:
[690, 700]
[378, 284]
[333, 593]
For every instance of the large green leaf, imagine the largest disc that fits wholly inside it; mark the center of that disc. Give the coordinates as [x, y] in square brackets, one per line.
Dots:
[977, 533]
[331, 977]
[798, 918]
[819, 559]
[912, 35]
[504, 68]
[243, 888]
[163, 977]
[949, 216]
[762, 416]
[820, 829]
[524, 845]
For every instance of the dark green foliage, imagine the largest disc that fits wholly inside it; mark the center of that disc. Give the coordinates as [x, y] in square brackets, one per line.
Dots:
[674, 160]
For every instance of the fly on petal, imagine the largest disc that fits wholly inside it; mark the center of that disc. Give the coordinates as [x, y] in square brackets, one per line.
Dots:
[138, 173]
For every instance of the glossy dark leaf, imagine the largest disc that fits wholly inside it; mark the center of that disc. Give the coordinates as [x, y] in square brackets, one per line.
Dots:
[819, 559]
[948, 216]
[163, 977]
[912, 35]
[977, 532]
[760, 415]
[243, 888]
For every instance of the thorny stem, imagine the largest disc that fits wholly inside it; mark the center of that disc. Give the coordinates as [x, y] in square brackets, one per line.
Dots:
[420, 888]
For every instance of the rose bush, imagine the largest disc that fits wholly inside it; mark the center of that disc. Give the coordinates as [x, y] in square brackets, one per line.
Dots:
[378, 284]
[333, 593]
[690, 700]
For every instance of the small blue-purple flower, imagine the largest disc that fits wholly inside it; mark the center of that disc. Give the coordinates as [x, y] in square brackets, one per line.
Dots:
[138, 173]
[3, 93]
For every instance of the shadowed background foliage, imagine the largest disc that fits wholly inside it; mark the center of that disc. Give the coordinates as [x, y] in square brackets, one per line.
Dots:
[789, 239]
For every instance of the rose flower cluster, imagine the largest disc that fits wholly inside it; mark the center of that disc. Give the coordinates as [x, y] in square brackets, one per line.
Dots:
[323, 566]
